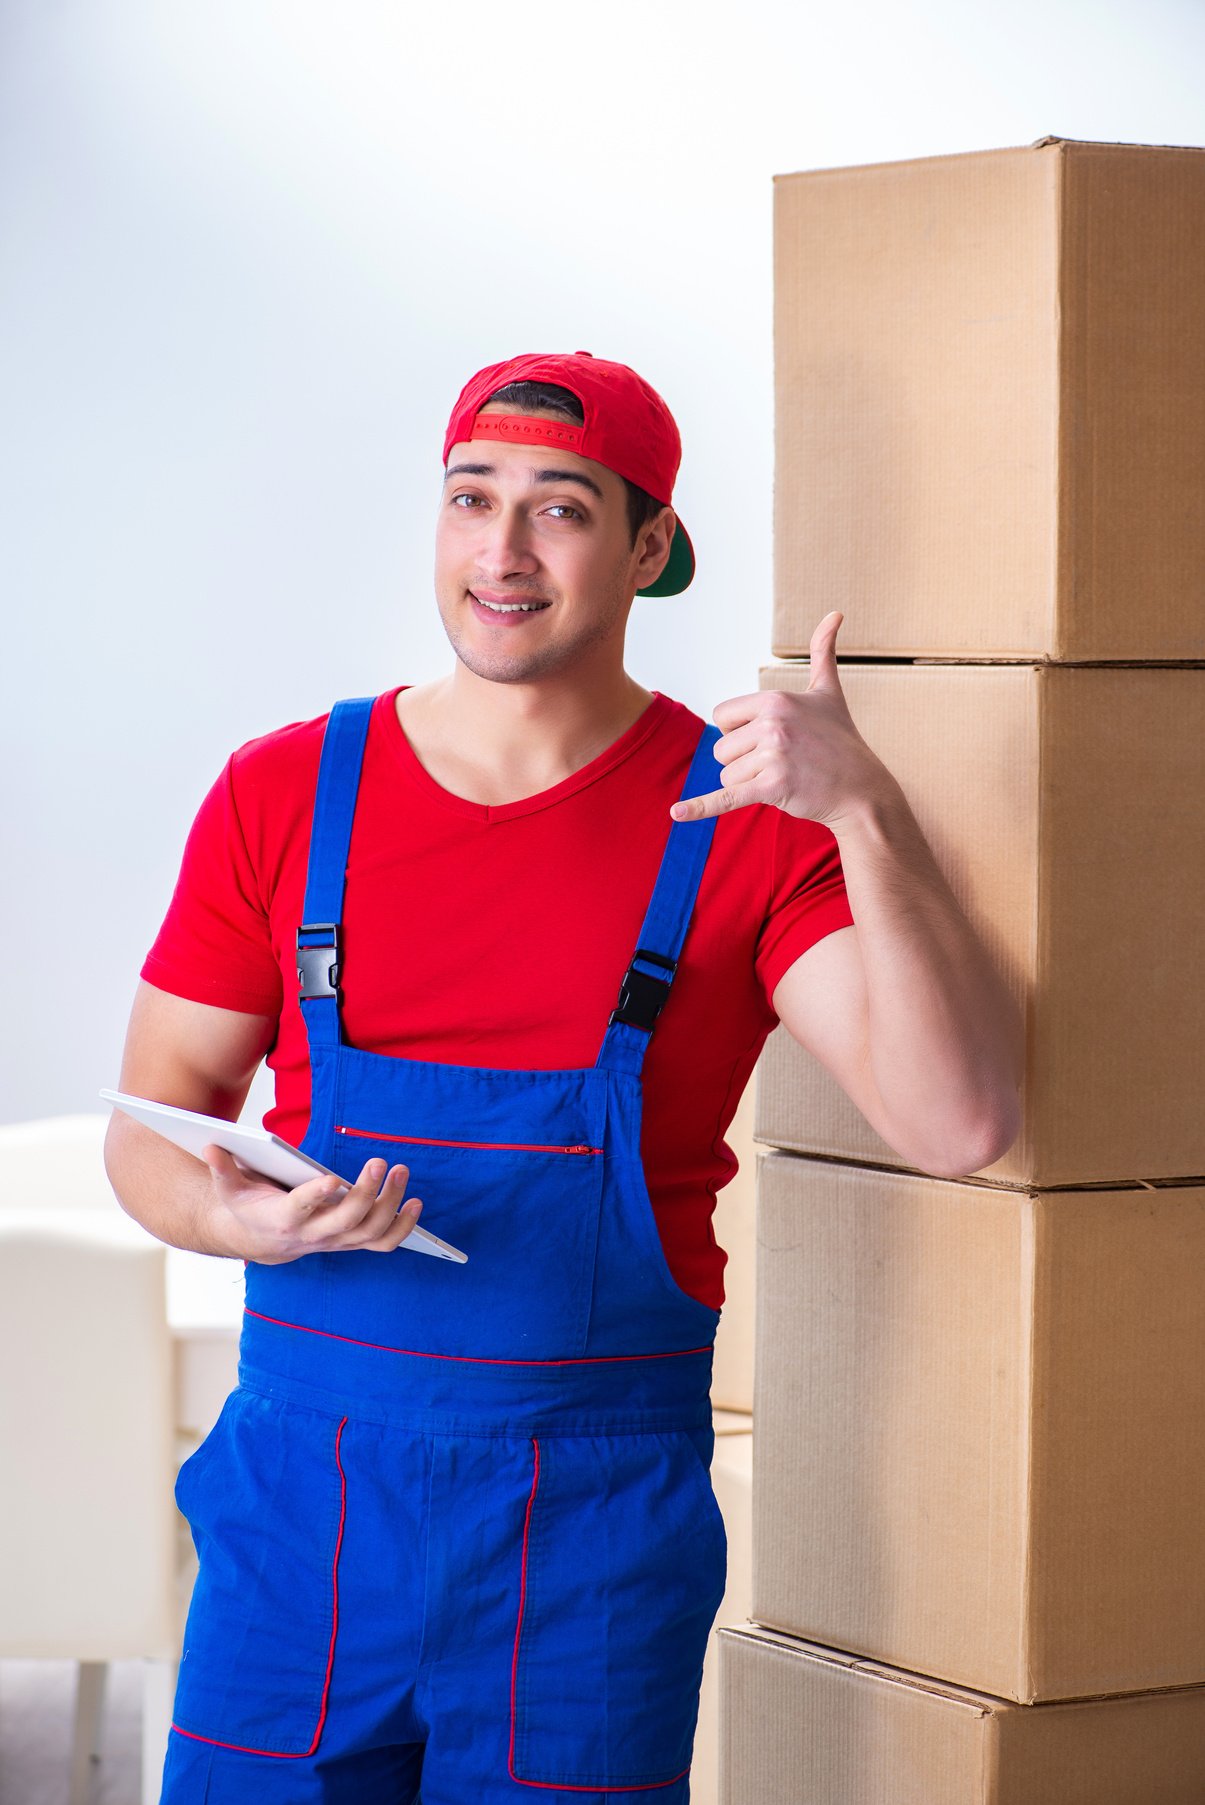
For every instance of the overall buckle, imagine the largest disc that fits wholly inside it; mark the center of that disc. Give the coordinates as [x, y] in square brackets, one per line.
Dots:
[318, 961]
[642, 994]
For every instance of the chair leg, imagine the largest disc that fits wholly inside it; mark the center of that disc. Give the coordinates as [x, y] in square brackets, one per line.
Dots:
[158, 1694]
[85, 1749]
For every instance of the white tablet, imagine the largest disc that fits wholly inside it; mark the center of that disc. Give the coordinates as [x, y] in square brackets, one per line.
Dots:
[261, 1152]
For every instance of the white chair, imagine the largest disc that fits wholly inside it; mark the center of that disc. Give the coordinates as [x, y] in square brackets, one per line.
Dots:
[90, 1556]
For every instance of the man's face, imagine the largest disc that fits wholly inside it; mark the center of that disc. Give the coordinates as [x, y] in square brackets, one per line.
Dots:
[534, 566]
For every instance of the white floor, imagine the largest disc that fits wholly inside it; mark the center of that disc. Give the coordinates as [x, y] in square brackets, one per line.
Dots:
[37, 1701]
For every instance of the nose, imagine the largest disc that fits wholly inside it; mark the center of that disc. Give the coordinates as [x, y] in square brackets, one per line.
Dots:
[505, 547]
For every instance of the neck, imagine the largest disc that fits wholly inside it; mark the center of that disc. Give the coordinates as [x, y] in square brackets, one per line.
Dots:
[501, 742]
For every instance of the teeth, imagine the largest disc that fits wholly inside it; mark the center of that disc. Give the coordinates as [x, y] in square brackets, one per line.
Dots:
[512, 607]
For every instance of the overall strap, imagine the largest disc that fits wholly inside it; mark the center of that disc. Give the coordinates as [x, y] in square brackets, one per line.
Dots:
[647, 980]
[319, 938]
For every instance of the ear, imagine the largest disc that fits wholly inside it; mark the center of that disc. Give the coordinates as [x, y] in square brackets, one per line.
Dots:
[652, 546]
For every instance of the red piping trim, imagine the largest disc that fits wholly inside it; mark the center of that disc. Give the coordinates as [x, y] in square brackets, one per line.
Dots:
[330, 1653]
[514, 1663]
[471, 1359]
[302, 1754]
[560, 1786]
[550, 1785]
[425, 1140]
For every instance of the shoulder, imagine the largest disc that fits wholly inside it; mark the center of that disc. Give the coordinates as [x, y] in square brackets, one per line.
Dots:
[674, 731]
[672, 715]
[281, 767]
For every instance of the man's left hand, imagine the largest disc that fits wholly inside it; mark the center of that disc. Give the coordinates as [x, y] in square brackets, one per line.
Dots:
[799, 753]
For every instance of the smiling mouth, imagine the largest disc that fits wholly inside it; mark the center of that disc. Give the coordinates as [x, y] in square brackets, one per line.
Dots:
[510, 607]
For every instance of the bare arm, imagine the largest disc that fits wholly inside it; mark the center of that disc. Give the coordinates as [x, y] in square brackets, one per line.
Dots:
[203, 1058]
[905, 1009]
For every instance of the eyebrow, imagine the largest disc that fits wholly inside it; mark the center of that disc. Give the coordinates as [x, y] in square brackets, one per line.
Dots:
[541, 476]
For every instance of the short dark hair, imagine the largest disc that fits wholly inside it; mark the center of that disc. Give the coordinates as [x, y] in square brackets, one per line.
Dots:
[551, 398]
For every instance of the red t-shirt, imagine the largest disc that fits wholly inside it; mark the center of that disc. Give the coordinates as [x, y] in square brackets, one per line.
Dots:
[498, 936]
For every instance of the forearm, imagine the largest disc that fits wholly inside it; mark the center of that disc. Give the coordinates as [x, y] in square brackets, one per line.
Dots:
[165, 1189]
[945, 1041]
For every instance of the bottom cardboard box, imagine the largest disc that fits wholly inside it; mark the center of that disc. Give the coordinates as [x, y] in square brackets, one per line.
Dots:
[981, 1428]
[806, 1725]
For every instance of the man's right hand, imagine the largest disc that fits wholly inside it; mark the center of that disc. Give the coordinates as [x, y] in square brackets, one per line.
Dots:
[263, 1222]
[203, 1058]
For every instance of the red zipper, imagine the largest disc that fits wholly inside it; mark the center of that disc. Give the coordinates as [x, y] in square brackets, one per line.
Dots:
[421, 1140]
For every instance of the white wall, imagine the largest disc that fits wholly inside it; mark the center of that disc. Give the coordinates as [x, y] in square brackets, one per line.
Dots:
[252, 248]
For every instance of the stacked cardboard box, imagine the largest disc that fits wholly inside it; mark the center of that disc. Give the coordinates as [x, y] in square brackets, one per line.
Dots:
[978, 1573]
[806, 1725]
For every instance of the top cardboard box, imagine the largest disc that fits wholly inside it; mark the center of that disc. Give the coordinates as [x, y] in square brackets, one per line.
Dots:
[990, 404]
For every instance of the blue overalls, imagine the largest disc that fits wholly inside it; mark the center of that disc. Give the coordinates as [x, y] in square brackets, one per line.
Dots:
[455, 1526]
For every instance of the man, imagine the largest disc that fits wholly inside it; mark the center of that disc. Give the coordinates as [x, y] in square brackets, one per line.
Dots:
[517, 936]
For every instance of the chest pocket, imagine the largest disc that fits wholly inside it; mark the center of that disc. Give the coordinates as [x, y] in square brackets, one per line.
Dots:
[527, 1216]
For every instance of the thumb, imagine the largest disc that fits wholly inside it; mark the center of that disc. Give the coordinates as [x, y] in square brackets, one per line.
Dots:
[822, 653]
[223, 1165]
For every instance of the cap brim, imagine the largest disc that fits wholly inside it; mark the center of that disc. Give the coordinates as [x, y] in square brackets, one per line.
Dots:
[679, 568]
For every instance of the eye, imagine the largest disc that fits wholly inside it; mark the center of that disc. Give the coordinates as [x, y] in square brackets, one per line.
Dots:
[468, 500]
[564, 509]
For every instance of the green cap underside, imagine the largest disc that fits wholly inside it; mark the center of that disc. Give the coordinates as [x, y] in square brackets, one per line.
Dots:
[679, 568]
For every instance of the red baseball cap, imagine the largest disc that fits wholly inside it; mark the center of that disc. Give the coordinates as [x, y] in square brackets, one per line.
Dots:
[627, 428]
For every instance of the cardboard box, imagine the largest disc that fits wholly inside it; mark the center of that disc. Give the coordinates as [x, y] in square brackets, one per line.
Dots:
[732, 1480]
[735, 1230]
[1064, 807]
[980, 1446]
[805, 1725]
[990, 417]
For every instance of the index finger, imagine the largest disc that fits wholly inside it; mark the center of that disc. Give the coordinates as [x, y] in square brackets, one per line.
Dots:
[716, 802]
